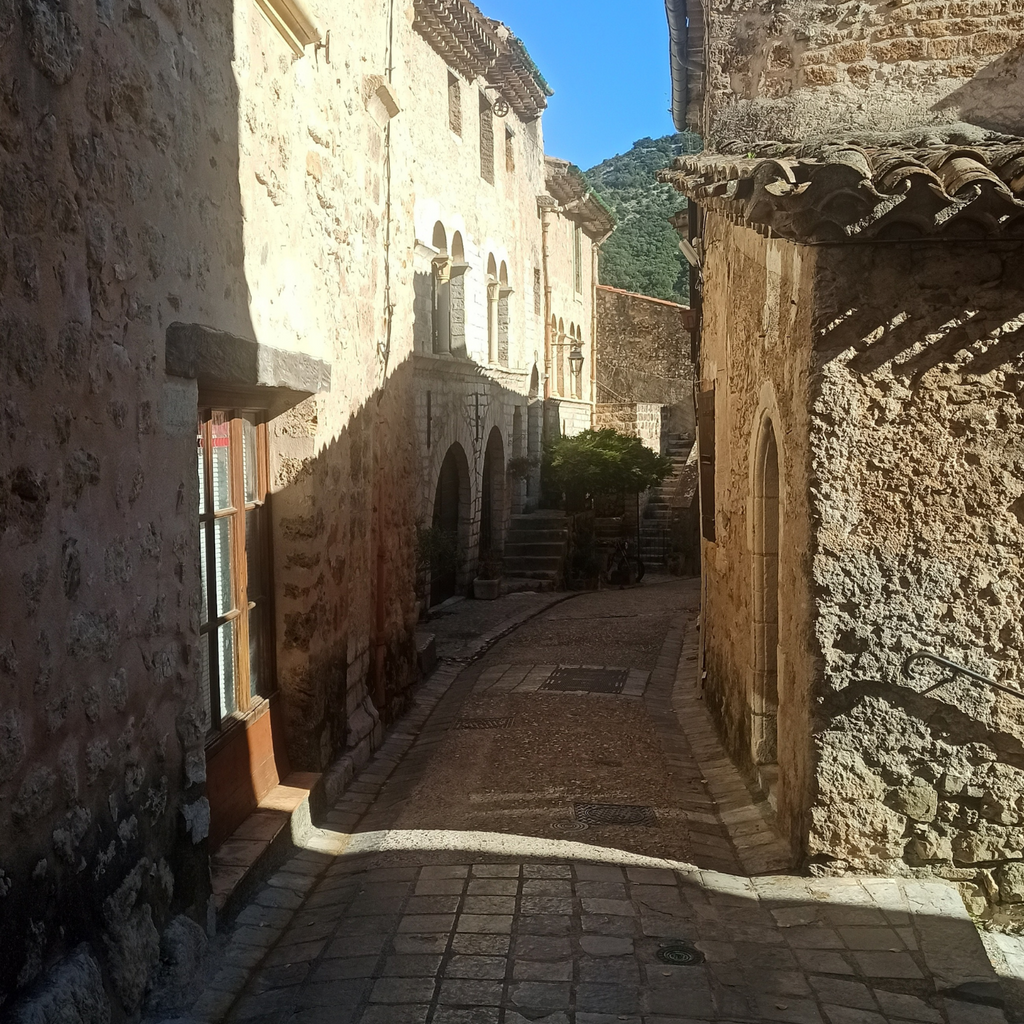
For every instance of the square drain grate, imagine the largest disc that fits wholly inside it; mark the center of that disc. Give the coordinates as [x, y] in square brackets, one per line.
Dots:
[590, 680]
[615, 814]
[484, 723]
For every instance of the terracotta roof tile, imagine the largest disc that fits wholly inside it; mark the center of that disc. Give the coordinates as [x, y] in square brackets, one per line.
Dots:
[869, 187]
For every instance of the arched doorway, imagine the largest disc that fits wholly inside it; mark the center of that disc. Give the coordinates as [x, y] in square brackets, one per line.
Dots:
[764, 704]
[492, 496]
[451, 525]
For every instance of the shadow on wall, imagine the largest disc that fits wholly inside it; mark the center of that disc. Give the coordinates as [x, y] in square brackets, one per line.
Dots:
[994, 97]
[111, 186]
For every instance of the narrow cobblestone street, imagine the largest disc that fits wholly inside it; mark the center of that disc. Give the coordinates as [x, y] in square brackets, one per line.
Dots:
[553, 834]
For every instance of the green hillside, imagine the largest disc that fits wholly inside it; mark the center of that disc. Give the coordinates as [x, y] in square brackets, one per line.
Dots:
[643, 254]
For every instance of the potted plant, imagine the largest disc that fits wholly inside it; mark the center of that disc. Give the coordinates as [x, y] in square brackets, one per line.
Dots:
[487, 583]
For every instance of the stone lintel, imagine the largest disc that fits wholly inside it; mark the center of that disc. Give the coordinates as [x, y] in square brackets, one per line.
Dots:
[218, 360]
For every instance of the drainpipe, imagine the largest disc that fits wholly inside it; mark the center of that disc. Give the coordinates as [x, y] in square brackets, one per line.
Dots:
[594, 271]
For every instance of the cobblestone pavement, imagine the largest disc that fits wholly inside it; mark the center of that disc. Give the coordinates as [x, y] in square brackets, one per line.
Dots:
[441, 888]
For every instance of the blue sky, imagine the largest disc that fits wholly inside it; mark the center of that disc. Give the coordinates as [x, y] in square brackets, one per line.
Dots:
[607, 61]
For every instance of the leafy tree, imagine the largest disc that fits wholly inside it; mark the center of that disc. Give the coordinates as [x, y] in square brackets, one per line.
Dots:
[643, 253]
[598, 463]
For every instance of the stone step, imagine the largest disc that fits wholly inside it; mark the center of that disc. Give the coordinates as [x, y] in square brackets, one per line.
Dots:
[541, 576]
[552, 548]
[536, 537]
[519, 563]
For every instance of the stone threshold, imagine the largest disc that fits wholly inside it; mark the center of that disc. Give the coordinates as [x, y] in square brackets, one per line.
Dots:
[261, 844]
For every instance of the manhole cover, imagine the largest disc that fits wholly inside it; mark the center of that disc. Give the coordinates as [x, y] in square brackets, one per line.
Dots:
[571, 826]
[615, 814]
[483, 723]
[589, 680]
[679, 954]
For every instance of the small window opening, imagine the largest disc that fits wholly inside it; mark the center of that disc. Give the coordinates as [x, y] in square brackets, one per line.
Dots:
[486, 140]
[454, 104]
[510, 151]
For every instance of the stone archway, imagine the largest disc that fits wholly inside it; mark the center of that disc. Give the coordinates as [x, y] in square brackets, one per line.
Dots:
[451, 521]
[764, 697]
[492, 496]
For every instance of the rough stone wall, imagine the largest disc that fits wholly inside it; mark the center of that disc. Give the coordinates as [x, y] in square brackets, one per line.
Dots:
[312, 169]
[119, 213]
[643, 354]
[803, 68]
[918, 506]
[643, 420]
[756, 351]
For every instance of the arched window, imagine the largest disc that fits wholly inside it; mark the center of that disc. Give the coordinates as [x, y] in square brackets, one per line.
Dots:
[504, 294]
[457, 297]
[441, 292]
[492, 309]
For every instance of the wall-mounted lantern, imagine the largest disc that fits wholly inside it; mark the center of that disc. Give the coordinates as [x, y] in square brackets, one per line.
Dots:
[576, 361]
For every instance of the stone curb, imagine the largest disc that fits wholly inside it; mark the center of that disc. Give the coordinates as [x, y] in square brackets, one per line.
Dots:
[258, 927]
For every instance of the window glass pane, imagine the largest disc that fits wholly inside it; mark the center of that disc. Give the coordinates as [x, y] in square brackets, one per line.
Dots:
[222, 566]
[202, 470]
[254, 553]
[257, 676]
[204, 682]
[204, 612]
[226, 644]
[220, 441]
[249, 455]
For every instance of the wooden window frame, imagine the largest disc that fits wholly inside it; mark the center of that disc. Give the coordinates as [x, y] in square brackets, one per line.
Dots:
[247, 704]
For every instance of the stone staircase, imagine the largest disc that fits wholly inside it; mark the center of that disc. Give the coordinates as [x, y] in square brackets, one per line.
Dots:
[535, 549]
[656, 522]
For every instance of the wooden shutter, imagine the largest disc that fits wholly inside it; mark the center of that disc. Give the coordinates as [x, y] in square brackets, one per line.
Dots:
[706, 442]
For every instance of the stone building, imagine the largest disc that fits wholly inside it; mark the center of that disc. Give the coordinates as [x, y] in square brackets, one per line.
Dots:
[644, 376]
[261, 267]
[858, 225]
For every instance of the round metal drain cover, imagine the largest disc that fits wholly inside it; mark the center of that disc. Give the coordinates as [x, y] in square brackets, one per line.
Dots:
[679, 954]
[571, 826]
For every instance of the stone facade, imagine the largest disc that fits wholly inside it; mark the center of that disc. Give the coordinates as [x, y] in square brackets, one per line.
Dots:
[805, 67]
[197, 211]
[642, 355]
[860, 423]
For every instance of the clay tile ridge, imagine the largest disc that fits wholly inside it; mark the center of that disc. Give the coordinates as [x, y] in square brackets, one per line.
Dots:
[568, 185]
[860, 189]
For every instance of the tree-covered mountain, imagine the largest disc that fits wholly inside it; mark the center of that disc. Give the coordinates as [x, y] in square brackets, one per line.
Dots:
[643, 253]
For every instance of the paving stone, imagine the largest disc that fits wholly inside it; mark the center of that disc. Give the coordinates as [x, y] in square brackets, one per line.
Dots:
[604, 924]
[341, 994]
[411, 965]
[598, 872]
[296, 953]
[439, 887]
[614, 998]
[542, 970]
[493, 887]
[475, 944]
[445, 871]
[793, 1011]
[500, 924]
[547, 871]
[433, 904]
[652, 876]
[547, 887]
[496, 870]
[346, 968]
[545, 924]
[972, 1013]
[601, 890]
[851, 1015]
[371, 925]
[823, 961]
[536, 997]
[488, 905]
[464, 992]
[810, 937]
[402, 990]
[604, 945]
[620, 908]
[415, 1014]
[424, 924]
[546, 905]
[843, 992]
[886, 965]
[511, 1017]
[416, 944]
[907, 1007]
[607, 1018]
[786, 983]
[622, 970]
[871, 938]
[475, 1015]
[490, 968]
[687, 991]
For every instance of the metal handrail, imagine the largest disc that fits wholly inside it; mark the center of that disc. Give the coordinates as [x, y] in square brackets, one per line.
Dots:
[960, 670]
